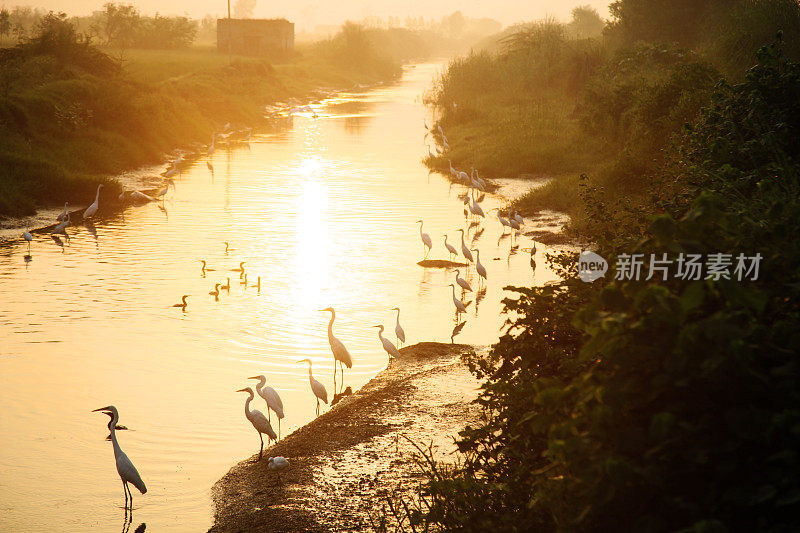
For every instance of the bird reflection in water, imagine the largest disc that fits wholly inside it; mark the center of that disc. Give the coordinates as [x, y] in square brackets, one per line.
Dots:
[456, 330]
[28, 258]
[58, 242]
[90, 227]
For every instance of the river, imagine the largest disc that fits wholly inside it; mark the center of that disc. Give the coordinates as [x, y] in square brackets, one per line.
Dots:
[324, 211]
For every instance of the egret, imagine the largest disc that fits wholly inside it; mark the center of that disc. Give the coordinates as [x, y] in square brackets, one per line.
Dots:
[63, 215]
[210, 166]
[240, 270]
[426, 239]
[276, 464]
[464, 284]
[227, 246]
[170, 172]
[390, 348]
[62, 227]
[244, 281]
[270, 396]
[257, 285]
[183, 303]
[512, 221]
[501, 219]
[338, 349]
[27, 235]
[450, 248]
[163, 192]
[398, 329]
[465, 249]
[453, 172]
[316, 387]
[92, 209]
[259, 421]
[204, 267]
[127, 472]
[215, 292]
[478, 266]
[227, 286]
[430, 154]
[518, 218]
[460, 307]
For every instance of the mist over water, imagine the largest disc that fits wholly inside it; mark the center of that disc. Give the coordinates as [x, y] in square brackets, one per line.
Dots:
[324, 211]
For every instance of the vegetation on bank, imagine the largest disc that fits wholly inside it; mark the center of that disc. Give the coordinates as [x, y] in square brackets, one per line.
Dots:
[72, 113]
[661, 404]
[541, 102]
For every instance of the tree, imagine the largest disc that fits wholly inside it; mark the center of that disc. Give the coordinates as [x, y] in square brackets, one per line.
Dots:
[586, 22]
[120, 23]
[5, 22]
[243, 9]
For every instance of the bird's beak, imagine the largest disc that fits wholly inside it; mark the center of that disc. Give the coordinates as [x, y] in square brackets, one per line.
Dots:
[242, 390]
[106, 408]
[254, 377]
[375, 326]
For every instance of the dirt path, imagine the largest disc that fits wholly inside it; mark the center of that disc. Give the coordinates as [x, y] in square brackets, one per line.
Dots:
[343, 461]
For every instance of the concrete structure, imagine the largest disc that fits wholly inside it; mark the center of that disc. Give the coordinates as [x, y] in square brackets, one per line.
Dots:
[255, 37]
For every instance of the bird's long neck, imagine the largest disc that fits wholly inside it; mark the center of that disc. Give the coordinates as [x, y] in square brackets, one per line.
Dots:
[247, 405]
[454, 291]
[330, 331]
[261, 383]
[420, 228]
[380, 332]
[398, 315]
[112, 427]
[97, 196]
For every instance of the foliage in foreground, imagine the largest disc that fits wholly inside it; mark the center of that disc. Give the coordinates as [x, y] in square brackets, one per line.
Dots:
[657, 405]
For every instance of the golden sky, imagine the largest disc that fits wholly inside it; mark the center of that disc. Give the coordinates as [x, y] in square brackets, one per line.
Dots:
[309, 13]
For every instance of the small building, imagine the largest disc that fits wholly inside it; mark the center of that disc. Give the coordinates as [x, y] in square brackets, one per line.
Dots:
[255, 37]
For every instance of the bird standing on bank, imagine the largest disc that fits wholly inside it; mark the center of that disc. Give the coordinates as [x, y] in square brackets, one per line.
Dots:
[398, 329]
[259, 421]
[390, 348]
[270, 395]
[317, 388]
[450, 248]
[127, 472]
[338, 349]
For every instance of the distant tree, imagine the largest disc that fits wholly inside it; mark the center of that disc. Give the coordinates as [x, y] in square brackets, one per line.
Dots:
[586, 22]
[454, 24]
[243, 9]
[685, 22]
[5, 22]
[120, 23]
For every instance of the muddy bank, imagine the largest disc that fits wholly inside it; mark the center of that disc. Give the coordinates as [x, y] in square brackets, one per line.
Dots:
[344, 462]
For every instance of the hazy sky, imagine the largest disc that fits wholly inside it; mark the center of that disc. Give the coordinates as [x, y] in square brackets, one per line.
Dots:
[309, 13]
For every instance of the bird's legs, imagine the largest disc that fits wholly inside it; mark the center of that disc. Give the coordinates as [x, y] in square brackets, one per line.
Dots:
[279, 428]
[318, 405]
[125, 491]
[341, 365]
[261, 450]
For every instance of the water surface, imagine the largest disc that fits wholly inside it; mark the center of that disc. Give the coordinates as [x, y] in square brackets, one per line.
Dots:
[324, 211]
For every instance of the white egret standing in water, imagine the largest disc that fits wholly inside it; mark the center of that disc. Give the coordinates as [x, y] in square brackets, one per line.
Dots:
[390, 348]
[398, 329]
[127, 472]
[63, 215]
[259, 421]
[479, 268]
[426, 239]
[92, 209]
[338, 349]
[270, 395]
[27, 235]
[460, 307]
[450, 247]
[317, 388]
[464, 284]
[465, 249]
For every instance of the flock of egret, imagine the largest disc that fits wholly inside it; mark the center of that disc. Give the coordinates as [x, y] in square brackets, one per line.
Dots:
[262, 423]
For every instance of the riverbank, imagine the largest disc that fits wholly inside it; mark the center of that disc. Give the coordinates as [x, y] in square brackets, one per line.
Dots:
[345, 462]
[73, 115]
